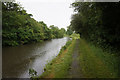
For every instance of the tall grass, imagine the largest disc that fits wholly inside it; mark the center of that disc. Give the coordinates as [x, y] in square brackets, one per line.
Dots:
[96, 63]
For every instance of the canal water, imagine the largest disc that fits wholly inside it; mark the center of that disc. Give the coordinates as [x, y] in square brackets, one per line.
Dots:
[16, 61]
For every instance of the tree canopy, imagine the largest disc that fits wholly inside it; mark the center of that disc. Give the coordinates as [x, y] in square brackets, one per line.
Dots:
[98, 23]
[20, 28]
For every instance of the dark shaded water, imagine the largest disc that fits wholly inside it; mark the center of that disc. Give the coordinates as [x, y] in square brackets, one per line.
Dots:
[18, 60]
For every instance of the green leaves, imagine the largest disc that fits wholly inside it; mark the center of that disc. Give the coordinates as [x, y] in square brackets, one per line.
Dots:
[97, 22]
[20, 28]
[32, 73]
[56, 32]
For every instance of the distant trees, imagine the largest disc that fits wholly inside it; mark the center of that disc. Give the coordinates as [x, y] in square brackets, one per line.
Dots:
[69, 30]
[98, 23]
[56, 32]
[18, 27]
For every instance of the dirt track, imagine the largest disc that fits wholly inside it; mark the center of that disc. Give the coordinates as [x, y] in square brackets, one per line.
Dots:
[75, 71]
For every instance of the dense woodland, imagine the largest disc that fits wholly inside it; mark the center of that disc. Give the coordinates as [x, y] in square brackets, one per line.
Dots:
[98, 23]
[20, 28]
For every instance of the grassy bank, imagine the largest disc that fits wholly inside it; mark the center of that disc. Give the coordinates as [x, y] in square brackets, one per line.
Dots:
[59, 67]
[94, 63]
[97, 64]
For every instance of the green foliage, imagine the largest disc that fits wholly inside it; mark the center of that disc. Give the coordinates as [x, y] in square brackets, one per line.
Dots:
[75, 36]
[56, 32]
[59, 66]
[96, 63]
[32, 73]
[20, 28]
[69, 30]
[65, 46]
[98, 23]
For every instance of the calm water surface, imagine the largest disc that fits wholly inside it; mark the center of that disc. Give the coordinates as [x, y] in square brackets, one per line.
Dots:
[18, 60]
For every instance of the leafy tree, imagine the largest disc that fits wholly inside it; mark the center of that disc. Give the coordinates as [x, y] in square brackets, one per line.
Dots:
[69, 30]
[20, 28]
[56, 32]
[98, 23]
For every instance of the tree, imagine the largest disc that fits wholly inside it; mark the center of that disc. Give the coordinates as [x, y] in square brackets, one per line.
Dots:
[20, 28]
[98, 23]
[69, 30]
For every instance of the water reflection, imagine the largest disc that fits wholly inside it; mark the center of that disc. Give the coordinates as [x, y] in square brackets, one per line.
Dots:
[18, 60]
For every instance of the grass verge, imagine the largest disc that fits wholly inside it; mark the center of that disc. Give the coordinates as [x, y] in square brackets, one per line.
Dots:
[59, 66]
[97, 64]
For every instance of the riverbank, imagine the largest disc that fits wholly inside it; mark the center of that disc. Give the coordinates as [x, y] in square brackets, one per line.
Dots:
[82, 60]
[59, 67]
[21, 28]
[30, 56]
